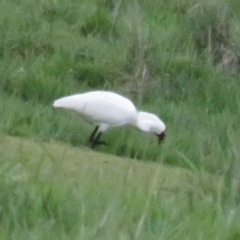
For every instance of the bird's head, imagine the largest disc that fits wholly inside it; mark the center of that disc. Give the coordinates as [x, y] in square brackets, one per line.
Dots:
[161, 136]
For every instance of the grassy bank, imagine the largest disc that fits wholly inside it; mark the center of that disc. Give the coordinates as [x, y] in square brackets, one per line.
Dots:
[52, 191]
[178, 59]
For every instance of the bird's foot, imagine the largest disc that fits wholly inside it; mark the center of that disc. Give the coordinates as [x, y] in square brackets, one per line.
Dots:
[98, 143]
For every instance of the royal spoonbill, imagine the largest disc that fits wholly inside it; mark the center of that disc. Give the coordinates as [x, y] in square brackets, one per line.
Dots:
[108, 109]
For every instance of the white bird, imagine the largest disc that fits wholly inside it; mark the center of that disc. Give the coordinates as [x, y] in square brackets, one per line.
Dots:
[108, 109]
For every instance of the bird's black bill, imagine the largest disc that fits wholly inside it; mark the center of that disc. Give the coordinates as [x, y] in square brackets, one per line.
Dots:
[161, 137]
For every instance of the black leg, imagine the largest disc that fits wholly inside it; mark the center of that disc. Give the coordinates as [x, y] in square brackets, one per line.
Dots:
[95, 141]
[91, 138]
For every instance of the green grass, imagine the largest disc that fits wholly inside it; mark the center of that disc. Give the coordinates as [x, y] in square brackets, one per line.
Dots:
[51, 190]
[207, 146]
[178, 59]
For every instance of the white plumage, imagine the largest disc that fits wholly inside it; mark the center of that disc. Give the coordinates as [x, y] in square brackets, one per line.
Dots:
[108, 109]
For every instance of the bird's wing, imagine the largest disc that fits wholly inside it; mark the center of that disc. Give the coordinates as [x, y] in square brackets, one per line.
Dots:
[108, 111]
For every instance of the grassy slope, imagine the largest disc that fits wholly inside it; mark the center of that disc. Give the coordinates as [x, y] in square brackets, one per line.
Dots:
[62, 47]
[52, 191]
[76, 193]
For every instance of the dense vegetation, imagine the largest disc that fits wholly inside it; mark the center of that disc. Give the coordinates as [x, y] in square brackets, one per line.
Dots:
[178, 59]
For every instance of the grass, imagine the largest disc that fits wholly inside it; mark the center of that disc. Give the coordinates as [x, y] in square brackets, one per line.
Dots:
[75, 193]
[207, 146]
[178, 59]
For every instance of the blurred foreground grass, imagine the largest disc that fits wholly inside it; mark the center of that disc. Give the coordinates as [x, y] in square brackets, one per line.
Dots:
[54, 191]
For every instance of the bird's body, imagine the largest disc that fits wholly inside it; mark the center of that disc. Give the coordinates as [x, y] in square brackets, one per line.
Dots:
[108, 109]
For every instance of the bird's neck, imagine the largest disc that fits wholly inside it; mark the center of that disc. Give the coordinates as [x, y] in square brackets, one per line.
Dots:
[148, 122]
[141, 123]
